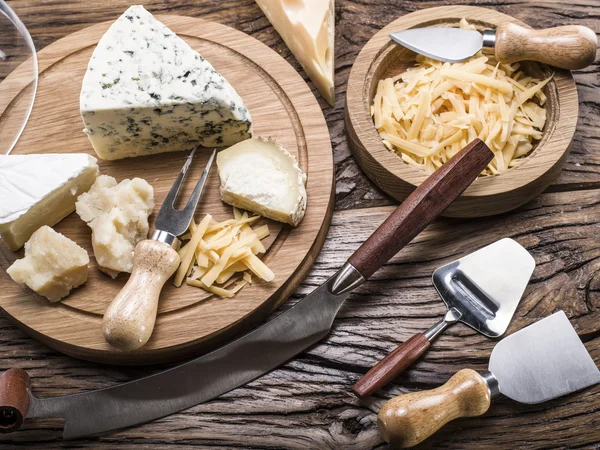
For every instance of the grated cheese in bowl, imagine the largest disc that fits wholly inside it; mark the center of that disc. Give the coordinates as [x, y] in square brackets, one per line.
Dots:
[431, 111]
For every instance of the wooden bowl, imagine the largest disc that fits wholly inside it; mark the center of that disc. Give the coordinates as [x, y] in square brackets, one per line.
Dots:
[381, 58]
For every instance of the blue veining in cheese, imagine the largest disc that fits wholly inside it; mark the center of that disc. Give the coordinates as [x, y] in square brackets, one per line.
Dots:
[147, 91]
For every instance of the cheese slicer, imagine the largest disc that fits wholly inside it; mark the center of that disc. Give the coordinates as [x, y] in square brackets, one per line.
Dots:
[481, 290]
[129, 320]
[539, 363]
[568, 47]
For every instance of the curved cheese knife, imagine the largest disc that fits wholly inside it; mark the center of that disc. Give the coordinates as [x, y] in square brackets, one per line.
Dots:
[568, 47]
[259, 351]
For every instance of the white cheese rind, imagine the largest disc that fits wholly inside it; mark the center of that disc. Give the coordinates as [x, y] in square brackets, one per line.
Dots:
[259, 175]
[38, 190]
[118, 216]
[52, 266]
[307, 27]
[147, 91]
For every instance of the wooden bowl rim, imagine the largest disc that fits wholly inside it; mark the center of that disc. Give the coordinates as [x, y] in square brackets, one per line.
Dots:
[558, 133]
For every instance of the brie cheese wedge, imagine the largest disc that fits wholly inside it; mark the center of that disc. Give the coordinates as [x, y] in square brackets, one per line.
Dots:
[52, 266]
[147, 91]
[259, 175]
[38, 190]
[307, 27]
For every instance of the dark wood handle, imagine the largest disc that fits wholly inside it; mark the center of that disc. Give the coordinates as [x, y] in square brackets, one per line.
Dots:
[14, 399]
[392, 365]
[570, 47]
[427, 201]
[408, 419]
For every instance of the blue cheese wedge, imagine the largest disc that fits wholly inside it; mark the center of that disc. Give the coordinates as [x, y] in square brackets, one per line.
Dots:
[259, 175]
[38, 190]
[147, 91]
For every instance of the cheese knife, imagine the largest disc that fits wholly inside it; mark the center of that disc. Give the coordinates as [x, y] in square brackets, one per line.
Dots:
[568, 47]
[129, 319]
[259, 351]
[481, 290]
[539, 363]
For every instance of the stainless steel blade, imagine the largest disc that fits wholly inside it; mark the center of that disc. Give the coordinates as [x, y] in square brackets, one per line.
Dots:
[201, 379]
[485, 287]
[444, 44]
[543, 361]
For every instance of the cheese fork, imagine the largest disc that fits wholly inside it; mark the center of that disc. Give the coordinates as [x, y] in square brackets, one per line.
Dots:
[129, 320]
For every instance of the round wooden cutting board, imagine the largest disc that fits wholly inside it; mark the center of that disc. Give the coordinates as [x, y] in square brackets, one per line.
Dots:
[189, 320]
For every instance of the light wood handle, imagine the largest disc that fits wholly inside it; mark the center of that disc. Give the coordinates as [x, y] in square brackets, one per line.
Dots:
[392, 365]
[129, 320]
[14, 399]
[569, 47]
[408, 419]
[419, 209]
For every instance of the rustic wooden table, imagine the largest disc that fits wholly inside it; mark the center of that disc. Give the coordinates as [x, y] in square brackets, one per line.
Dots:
[307, 403]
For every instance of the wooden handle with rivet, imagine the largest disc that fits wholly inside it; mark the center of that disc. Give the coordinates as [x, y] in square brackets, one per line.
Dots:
[129, 320]
[409, 419]
[392, 365]
[14, 399]
[569, 47]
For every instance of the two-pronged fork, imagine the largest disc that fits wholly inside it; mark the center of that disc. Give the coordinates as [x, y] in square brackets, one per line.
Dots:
[129, 320]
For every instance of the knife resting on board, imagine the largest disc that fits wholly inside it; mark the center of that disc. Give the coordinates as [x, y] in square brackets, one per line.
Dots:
[260, 350]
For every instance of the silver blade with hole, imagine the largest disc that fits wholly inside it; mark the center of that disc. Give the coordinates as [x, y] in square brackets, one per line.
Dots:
[483, 289]
[543, 361]
[444, 44]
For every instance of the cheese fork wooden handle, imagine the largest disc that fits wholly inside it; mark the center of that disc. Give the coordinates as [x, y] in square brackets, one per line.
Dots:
[409, 419]
[129, 320]
[569, 47]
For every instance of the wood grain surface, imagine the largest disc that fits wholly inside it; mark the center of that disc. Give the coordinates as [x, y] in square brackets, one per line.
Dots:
[308, 403]
[282, 107]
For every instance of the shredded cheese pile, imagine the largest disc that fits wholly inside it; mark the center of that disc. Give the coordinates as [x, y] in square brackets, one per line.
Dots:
[216, 251]
[430, 112]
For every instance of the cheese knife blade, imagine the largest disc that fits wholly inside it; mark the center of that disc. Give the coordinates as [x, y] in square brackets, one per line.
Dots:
[259, 351]
[567, 47]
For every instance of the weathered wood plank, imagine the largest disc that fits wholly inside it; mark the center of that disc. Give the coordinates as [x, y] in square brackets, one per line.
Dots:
[308, 403]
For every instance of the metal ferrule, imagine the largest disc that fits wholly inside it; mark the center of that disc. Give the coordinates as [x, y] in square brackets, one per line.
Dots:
[166, 238]
[436, 330]
[489, 41]
[347, 279]
[492, 383]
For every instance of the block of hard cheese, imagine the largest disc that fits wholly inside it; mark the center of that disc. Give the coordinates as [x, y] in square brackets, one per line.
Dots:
[259, 175]
[38, 190]
[147, 91]
[52, 266]
[307, 27]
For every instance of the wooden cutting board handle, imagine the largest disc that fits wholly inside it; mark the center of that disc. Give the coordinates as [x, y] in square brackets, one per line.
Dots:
[570, 47]
[14, 399]
[426, 202]
[409, 419]
[129, 320]
[392, 365]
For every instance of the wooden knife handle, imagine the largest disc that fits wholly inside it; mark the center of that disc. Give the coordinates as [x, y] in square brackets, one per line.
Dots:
[426, 202]
[129, 320]
[409, 419]
[569, 47]
[14, 399]
[392, 365]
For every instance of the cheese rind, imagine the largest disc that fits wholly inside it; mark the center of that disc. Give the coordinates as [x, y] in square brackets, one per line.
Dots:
[52, 266]
[147, 91]
[307, 27]
[118, 216]
[38, 190]
[261, 176]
